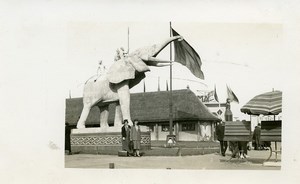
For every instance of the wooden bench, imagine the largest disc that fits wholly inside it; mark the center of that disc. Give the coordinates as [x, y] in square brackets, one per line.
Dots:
[271, 131]
[237, 131]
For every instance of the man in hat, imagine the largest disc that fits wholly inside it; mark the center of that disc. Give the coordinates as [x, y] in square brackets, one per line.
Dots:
[220, 135]
[256, 137]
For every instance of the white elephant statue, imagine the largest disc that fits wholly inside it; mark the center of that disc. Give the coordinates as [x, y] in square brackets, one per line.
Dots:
[113, 87]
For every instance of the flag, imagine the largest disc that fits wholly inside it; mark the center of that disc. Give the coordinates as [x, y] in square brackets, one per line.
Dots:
[209, 96]
[187, 56]
[215, 94]
[231, 96]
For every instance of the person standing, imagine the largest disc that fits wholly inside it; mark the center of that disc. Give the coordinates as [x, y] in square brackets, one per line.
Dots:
[68, 138]
[243, 149]
[135, 137]
[220, 135]
[256, 137]
[233, 145]
[125, 131]
[101, 70]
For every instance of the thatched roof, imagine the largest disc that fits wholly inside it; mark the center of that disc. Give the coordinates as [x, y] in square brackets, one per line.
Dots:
[149, 107]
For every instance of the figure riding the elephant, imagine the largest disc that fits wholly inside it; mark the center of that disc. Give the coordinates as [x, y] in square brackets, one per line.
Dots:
[113, 87]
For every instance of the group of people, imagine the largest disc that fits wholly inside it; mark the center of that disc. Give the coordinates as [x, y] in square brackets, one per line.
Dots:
[131, 138]
[238, 148]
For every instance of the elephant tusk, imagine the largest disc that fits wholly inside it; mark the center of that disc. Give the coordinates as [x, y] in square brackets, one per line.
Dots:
[156, 60]
[164, 61]
[155, 63]
[162, 65]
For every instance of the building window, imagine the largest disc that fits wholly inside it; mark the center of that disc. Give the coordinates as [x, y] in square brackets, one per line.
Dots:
[151, 128]
[188, 127]
[165, 128]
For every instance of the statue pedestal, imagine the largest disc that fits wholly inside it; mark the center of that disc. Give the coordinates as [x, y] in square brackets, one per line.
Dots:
[103, 130]
[103, 140]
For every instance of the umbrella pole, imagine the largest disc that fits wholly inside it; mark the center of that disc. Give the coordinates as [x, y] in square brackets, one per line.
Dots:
[276, 151]
[251, 122]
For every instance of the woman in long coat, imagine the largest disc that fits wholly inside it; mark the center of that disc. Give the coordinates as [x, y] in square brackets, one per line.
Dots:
[135, 137]
[126, 136]
[68, 138]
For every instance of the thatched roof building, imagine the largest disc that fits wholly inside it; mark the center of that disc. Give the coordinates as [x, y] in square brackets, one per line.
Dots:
[149, 107]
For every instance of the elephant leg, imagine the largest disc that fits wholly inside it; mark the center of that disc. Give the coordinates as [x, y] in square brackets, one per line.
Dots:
[118, 116]
[104, 116]
[84, 114]
[124, 99]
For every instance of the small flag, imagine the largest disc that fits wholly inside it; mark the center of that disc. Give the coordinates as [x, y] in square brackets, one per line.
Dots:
[210, 96]
[231, 96]
[187, 56]
[215, 94]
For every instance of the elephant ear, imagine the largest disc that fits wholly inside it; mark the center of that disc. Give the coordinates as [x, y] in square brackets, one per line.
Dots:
[132, 69]
[121, 70]
[138, 63]
[138, 77]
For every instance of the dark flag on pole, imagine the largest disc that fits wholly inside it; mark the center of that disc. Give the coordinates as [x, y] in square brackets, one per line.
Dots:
[187, 56]
[215, 94]
[231, 96]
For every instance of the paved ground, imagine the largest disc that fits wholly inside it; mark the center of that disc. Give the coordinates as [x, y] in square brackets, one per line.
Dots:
[209, 161]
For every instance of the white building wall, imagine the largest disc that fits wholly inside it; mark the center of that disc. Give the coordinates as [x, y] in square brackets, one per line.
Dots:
[216, 109]
[153, 136]
[202, 132]
[162, 136]
[188, 136]
[205, 131]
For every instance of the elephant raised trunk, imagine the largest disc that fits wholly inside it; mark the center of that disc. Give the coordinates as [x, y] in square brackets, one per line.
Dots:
[114, 86]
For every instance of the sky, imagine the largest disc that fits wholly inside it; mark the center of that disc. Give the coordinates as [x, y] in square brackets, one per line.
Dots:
[245, 56]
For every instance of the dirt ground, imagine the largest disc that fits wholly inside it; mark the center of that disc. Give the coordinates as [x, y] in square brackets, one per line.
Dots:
[208, 161]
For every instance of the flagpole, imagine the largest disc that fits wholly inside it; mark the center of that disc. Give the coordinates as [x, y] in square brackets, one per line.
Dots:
[220, 109]
[218, 101]
[171, 98]
[158, 84]
[128, 41]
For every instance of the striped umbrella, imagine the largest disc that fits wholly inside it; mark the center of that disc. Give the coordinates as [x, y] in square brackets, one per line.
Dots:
[266, 104]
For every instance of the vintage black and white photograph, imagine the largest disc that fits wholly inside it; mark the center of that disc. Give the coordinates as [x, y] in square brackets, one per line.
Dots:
[175, 95]
[149, 92]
